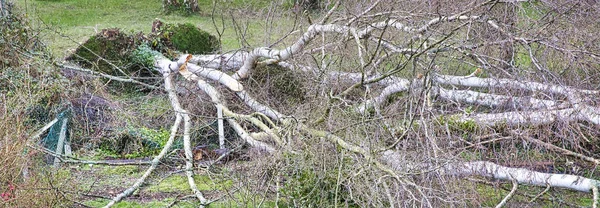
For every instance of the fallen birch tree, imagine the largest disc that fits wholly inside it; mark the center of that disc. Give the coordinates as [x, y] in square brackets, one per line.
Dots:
[422, 65]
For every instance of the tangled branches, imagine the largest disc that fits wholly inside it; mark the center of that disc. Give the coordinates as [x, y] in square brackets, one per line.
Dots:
[412, 67]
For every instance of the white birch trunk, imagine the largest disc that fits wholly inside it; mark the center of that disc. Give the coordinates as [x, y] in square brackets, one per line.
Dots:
[495, 171]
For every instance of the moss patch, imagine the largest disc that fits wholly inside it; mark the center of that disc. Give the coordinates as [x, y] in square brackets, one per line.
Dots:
[179, 183]
[130, 204]
[232, 203]
[189, 38]
[466, 129]
[121, 170]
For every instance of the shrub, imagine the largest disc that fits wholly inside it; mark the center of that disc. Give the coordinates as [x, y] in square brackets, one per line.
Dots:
[114, 52]
[105, 49]
[185, 7]
[190, 39]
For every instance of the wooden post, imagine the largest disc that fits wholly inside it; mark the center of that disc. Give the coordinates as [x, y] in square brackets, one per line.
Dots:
[60, 145]
[220, 127]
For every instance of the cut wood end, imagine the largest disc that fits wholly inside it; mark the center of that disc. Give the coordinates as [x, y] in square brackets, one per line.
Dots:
[184, 65]
[236, 87]
[476, 72]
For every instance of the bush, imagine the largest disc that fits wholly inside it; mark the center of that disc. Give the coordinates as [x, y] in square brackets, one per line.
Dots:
[188, 38]
[186, 7]
[114, 52]
[310, 5]
[105, 49]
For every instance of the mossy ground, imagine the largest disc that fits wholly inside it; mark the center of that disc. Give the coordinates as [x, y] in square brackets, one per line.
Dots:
[159, 191]
[133, 204]
[179, 183]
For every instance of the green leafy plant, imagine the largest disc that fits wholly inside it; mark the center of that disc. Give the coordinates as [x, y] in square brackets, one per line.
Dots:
[144, 55]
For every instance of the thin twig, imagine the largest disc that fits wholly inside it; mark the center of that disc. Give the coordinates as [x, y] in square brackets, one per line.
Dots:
[111, 77]
[73, 160]
[540, 194]
[155, 161]
[510, 194]
[595, 192]
[561, 150]
[180, 199]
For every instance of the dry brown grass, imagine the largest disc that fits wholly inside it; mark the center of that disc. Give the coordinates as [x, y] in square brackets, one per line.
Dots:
[29, 91]
[38, 189]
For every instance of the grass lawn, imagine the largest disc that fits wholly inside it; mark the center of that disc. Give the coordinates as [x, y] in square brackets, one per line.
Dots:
[73, 21]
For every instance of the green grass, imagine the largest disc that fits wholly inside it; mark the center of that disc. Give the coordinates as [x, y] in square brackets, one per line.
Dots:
[71, 22]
